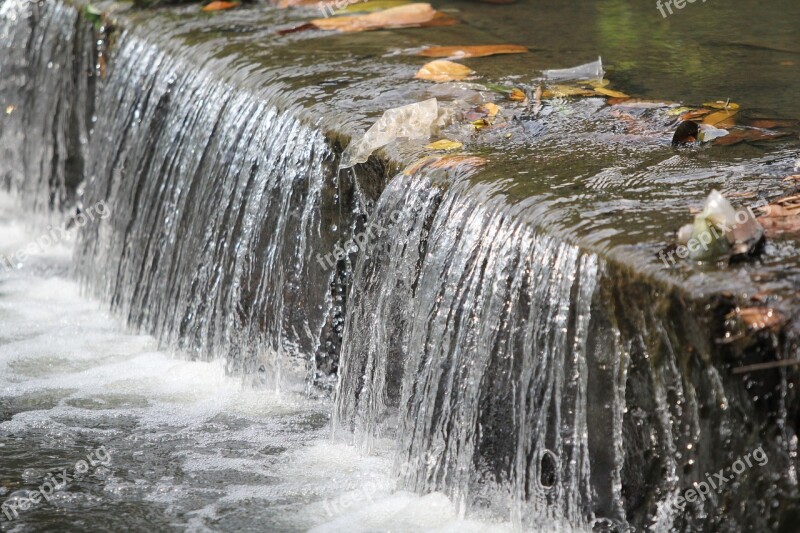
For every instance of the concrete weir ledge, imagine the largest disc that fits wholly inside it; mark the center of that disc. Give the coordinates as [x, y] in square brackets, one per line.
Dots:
[664, 404]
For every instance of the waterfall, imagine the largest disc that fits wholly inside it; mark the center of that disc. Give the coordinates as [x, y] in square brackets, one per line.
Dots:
[474, 328]
[217, 206]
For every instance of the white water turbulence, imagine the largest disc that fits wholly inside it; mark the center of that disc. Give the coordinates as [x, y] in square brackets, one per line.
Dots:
[190, 447]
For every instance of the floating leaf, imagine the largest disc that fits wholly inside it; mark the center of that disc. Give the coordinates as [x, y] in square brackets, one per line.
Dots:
[442, 70]
[444, 144]
[368, 7]
[748, 135]
[517, 95]
[769, 123]
[416, 15]
[675, 111]
[611, 93]
[722, 105]
[458, 161]
[720, 119]
[219, 5]
[490, 108]
[462, 52]
[445, 162]
[594, 84]
[694, 114]
[562, 91]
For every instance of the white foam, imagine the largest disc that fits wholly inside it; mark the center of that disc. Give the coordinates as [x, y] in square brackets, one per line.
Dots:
[254, 451]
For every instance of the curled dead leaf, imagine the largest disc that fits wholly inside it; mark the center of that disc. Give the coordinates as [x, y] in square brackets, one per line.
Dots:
[610, 92]
[408, 16]
[442, 70]
[219, 5]
[462, 52]
[518, 95]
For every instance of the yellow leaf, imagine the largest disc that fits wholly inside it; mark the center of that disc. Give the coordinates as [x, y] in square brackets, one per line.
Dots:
[561, 91]
[722, 105]
[720, 118]
[368, 7]
[462, 52]
[444, 144]
[609, 92]
[517, 95]
[219, 5]
[491, 109]
[441, 70]
[595, 83]
[409, 16]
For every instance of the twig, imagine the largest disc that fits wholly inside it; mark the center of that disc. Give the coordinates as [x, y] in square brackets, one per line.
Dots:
[766, 366]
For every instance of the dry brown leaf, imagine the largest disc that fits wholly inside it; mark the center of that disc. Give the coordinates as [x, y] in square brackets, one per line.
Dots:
[610, 92]
[781, 216]
[458, 162]
[759, 318]
[721, 119]
[518, 95]
[441, 70]
[462, 52]
[220, 5]
[694, 114]
[445, 162]
[740, 135]
[562, 91]
[770, 123]
[408, 16]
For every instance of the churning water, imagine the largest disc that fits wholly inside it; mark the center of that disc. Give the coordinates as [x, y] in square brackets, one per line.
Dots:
[190, 447]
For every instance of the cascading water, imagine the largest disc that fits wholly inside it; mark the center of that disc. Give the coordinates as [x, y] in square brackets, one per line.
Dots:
[217, 202]
[474, 327]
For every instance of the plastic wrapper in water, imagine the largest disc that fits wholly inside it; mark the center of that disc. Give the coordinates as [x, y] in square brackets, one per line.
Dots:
[413, 121]
[589, 71]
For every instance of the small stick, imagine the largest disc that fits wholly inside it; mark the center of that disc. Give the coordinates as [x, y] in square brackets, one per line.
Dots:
[766, 366]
